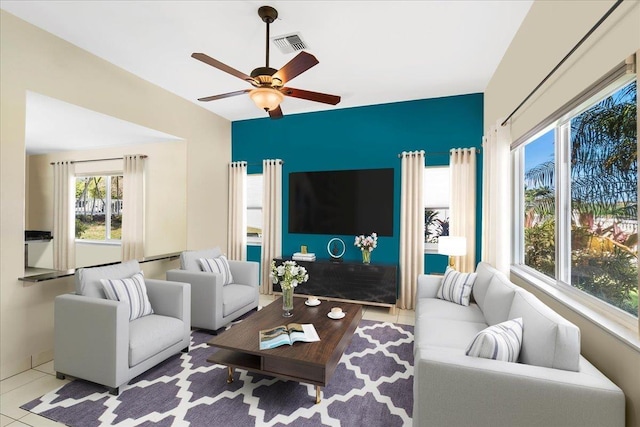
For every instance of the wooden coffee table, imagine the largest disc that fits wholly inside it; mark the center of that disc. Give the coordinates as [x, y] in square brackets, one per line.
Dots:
[312, 363]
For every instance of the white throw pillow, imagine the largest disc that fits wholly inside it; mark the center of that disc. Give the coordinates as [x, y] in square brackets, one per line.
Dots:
[218, 265]
[132, 291]
[456, 287]
[499, 342]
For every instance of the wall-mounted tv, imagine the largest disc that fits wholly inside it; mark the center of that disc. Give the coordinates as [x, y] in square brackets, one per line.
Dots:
[341, 202]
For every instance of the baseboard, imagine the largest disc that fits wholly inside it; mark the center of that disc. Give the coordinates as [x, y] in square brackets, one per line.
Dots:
[14, 367]
[42, 357]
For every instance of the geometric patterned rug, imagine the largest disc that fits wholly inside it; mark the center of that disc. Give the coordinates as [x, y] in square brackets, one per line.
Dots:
[372, 386]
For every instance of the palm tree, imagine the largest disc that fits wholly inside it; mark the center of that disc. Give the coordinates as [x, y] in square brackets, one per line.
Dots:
[539, 205]
[603, 195]
[604, 157]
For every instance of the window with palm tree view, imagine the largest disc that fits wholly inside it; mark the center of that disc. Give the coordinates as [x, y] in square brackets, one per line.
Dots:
[254, 209]
[99, 207]
[436, 205]
[580, 200]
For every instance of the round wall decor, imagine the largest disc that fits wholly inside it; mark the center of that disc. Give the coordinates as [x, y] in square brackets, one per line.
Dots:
[336, 248]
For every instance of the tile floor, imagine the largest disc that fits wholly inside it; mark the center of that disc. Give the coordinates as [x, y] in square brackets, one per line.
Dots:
[26, 386]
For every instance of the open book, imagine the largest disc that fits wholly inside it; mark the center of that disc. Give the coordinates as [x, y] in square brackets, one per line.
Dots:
[281, 335]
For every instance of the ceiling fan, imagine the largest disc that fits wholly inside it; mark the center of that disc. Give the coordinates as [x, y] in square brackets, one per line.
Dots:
[268, 83]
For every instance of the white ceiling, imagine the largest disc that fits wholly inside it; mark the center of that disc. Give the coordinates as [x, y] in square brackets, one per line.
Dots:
[370, 52]
[54, 125]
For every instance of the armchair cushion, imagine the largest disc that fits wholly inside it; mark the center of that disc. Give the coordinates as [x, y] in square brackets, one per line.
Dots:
[189, 259]
[88, 283]
[235, 297]
[218, 265]
[132, 291]
[149, 335]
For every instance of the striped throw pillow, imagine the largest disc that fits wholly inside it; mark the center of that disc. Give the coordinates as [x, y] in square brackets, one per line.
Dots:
[132, 291]
[218, 265]
[456, 287]
[499, 342]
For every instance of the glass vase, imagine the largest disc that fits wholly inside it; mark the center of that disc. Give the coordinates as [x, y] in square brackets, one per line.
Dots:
[366, 256]
[287, 301]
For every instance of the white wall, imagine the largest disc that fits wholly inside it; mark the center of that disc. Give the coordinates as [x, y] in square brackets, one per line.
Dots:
[165, 184]
[547, 34]
[90, 254]
[34, 60]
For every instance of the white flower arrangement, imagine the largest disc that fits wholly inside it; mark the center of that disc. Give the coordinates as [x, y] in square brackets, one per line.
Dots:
[366, 243]
[289, 274]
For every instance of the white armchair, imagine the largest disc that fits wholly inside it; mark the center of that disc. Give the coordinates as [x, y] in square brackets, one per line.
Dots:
[214, 304]
[96, 341]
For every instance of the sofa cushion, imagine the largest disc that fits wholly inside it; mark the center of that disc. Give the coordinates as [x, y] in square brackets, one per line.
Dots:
[484, 273]
[149, 335]
[189, 259]
[548, 340]
[218, 265]
[456, 287]
[498, 299]
[234, 297]
[445, 333]
[432, 307]
[498, 342]
[88, 283]
[131, 290]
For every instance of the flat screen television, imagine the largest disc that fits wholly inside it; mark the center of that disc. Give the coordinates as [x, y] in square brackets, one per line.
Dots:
[341, 202]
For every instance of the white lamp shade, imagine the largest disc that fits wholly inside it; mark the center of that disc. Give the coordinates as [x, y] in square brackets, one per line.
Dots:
[266, 98]
[452, 245]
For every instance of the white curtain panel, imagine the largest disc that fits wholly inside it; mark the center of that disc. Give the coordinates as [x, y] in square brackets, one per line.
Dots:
[64, 216]
[133, 208]
[411, 226]
[271, 219]
[237, 241]
[496, 197]
[462, 169]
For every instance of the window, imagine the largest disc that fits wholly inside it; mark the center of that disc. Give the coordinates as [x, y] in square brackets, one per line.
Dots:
[436, 205]
[539, 204]
[254, 209]
[99, 207]
[579, 199]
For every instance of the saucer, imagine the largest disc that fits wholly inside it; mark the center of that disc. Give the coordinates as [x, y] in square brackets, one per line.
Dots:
[335, 317]
[312, 304]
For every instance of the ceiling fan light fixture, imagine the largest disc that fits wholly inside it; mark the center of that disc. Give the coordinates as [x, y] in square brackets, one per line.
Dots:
[268, 82]
[266, 98]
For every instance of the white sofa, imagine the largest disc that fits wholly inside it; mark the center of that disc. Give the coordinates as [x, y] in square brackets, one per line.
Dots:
[551, 385]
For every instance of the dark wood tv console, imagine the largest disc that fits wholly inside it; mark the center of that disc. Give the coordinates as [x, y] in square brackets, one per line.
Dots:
[368, 284]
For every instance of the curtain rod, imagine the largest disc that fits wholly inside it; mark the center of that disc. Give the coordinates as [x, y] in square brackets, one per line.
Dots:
[252, 164]
[582, 40]
[144, 156]
[438, 153]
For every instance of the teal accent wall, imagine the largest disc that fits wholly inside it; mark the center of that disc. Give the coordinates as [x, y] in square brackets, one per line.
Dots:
[362, 138]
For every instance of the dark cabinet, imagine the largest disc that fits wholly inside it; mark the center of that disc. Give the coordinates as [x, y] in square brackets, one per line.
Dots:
[373, 283]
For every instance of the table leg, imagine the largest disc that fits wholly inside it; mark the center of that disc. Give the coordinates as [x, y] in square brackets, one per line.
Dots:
[318, 395]
[230, 377]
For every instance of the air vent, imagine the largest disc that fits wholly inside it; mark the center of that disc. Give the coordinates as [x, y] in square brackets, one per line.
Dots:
[289, 43]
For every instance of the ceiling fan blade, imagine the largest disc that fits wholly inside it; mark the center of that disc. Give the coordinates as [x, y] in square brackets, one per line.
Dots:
[276, 114]
[224, 95]
[220, 66]
[298, 65]
[311, 96]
